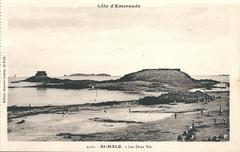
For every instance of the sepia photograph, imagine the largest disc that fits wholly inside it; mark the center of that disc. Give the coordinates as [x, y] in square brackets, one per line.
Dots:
[119, 72]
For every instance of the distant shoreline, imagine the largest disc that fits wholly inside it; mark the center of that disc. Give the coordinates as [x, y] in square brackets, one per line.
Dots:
[83, 74]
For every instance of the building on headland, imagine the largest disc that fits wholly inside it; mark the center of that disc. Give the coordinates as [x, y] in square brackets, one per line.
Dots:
[41, 74]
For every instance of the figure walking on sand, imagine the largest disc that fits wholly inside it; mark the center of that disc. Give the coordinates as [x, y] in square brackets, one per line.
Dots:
[220, 110]
[193, 125]
[129, 110]
[175, 115]
[215, 120]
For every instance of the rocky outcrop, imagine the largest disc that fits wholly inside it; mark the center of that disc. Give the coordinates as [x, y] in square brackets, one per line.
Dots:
[186, 97]
[172, 77]
[158, 80]
[41, 76]
[44, 79]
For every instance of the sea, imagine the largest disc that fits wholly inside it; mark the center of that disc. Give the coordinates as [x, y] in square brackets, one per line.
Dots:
[24, 96]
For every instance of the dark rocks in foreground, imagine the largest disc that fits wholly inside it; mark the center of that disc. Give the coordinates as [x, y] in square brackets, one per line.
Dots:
[186, 97]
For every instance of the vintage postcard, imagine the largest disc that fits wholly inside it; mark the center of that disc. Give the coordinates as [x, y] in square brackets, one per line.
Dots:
[119, 76]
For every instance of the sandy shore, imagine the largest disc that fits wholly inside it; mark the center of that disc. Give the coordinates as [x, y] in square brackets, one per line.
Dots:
[114, 122]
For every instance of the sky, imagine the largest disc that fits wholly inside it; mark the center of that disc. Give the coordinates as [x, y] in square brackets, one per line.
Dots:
[86, 39]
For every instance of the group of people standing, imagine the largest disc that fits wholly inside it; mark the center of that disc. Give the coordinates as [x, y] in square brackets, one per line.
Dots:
[188, 135]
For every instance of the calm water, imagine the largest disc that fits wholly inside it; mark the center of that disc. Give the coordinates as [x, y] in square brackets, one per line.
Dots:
[50, 96]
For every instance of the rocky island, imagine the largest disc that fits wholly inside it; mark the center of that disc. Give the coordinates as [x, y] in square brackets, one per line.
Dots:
[144, 80]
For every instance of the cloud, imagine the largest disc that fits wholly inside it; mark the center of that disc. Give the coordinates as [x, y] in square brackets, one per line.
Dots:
[64, 40]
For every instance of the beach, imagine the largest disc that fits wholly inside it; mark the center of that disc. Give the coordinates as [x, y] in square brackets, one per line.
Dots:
[120, 121]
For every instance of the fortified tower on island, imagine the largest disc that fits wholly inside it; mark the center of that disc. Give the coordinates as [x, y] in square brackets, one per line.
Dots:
[41, 74]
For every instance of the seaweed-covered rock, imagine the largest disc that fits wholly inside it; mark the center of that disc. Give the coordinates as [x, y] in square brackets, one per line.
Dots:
[187, 97]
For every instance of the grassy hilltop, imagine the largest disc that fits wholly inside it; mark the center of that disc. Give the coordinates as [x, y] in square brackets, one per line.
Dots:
[156, 79]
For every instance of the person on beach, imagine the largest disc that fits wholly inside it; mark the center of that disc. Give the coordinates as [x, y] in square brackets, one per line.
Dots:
[180, 138]
[225, 137]
[201, 112]
[192, 137]
[215, 120]
[184, 133]
[205, 101]
[220, 110]
[193, 125]
[190, 129]
[214, 138]
[30, 108]
[175, 115]
[129, 110]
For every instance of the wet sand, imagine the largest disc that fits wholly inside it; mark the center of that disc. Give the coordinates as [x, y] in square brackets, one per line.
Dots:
[114, 122]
